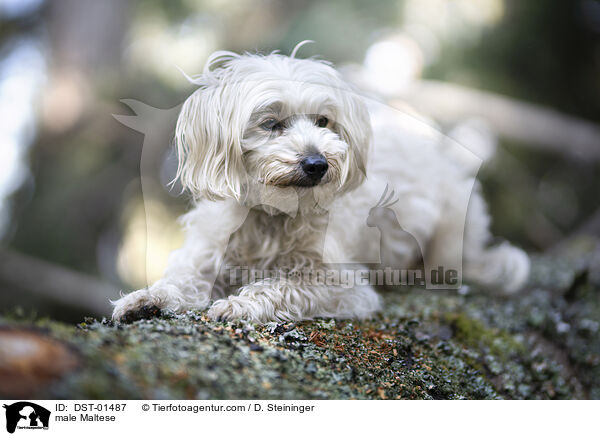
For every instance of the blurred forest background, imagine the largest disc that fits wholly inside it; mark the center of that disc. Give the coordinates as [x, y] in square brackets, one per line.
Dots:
[518, 77]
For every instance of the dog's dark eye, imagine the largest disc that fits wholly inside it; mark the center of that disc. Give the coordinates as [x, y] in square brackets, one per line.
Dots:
[322, 121]
[272, 124]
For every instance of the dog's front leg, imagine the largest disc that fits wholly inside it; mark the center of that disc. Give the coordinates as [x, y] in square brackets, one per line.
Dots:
[176, 292]
[285, 300]
[193, 270]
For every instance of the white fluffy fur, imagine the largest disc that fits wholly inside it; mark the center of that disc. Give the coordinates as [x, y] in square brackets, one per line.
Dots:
[248, 210]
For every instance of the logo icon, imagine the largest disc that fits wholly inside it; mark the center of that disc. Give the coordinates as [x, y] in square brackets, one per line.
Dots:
[26, 415]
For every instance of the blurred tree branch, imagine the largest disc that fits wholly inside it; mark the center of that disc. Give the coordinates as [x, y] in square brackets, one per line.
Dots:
[530, 124]
[533, 125]
[55, 282]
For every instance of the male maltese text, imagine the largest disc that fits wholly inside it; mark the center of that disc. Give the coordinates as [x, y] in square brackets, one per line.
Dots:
[273, 148]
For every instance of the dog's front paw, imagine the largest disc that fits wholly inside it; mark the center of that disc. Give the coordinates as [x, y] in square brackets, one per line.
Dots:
[137, 305]
[237, 307]
[223, 310]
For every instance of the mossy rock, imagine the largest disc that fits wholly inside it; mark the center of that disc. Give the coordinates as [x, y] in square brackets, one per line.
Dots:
[542, 343]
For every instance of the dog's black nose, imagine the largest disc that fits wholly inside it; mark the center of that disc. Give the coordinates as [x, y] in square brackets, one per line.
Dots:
[314, 166]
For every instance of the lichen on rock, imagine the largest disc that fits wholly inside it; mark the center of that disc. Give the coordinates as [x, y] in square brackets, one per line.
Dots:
[542, 343]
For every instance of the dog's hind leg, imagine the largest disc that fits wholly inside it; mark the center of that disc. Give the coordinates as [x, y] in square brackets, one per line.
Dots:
[502, 266]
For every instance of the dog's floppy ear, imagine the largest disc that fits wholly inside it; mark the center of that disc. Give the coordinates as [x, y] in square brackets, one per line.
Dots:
[354, 126]
[208, 141]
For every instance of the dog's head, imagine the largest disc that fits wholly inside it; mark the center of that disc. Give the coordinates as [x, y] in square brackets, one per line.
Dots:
[276, 121]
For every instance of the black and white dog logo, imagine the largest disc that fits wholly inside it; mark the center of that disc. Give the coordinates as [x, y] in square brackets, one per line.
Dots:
[26, 415]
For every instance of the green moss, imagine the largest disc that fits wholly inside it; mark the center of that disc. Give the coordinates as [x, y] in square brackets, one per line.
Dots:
[474, 334]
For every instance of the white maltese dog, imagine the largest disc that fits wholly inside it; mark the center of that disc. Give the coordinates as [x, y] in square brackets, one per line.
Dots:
[276, 152]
